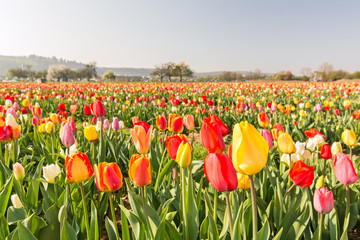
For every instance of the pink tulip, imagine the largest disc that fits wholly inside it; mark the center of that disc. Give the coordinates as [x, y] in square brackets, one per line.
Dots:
[16, 106]
[344, 169]
[35, 121]
[323, 200]
[106, 124]
[115, 124]
[67, 137]
[12, 112]
[266, 134]
[73, 108]
[189, 122]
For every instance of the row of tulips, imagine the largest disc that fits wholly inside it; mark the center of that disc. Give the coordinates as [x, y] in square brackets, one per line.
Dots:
[67, 182]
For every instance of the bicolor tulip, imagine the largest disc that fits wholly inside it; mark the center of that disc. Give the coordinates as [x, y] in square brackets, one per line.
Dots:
[266, 134]
[336, 148]
[276, 130]
[173, 143]
[2, 121]
[302, 174]
[323, 200]
[78, 167]
[140, 170]
[325, 152]
[183, 156]
[249, 149]
[263, 120]
[19, 171]
[175, 123]
[161, 122]
[73, 108]
[90, 133]
[11, 121]
[141, 137]
[189, 122]
[108, 177]
[211, 136]
[55, 118]
[98, 109]
[286, 143]
[243, 181]
[50, 172]
[344, 169]
[67, 135]
[349, 137]
[220, 172]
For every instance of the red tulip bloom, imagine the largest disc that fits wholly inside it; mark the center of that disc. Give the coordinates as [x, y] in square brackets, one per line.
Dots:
[220, 172]
[263, 120]
[108, 177]
[61, 107]
[223, 128]
[173, 143]
[175, 123]
[87, 110]
[145, 125]
[23, 110]
[302, 174]
[6, 133]
[211, 136]
[356, 114]
[325, 151]
[344, 169]
[140, 170]
[161, 122]
[313, 132]
[97, 108]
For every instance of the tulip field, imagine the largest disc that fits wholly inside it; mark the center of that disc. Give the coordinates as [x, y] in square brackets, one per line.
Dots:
[179, 161]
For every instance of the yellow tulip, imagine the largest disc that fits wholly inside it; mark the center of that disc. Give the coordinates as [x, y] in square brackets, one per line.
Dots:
[26, 103]
[307, 105]
[49, 127]
[336, 148]
[90, 133]
[286, 143]
[349, 137]
[243, 181]
[249, 150]
[302, 113]
[42, 128]
[54, 118]
[183, 156]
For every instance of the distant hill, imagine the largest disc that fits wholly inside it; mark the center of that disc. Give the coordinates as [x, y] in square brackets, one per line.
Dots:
[38, 63]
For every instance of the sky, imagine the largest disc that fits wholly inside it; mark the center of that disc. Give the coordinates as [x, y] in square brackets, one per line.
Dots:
[208, 35]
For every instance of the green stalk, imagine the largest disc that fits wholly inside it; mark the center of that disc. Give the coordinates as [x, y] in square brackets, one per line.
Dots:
[183, 197]
[145, 211]
[52, 147]
[254, 208]
[215, 204]
[347, 189]
[287, 192]
[228, 207]
[113, 215]
[85, 210]
[157, 176]
[92, 146]
[321, 220]
[350, 153]
[69, 194]
[56, 195]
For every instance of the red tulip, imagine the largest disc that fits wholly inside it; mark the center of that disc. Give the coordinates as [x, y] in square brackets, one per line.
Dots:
[98, 109]
[140, 170]
[23, 110]
[6, 133]
[223, 128]
[344, 169]
[276, 130]
[311, 133]
[323, 200]
[302, 174]
[173, 143]
[78, 167]
[175, 123]
[87, 110]
[220, 172]
[161, 122]
[325, 151]
[108, 177]
[263, 120]
[356, 114]
[145, 125]
[211, 136]
[61, 107]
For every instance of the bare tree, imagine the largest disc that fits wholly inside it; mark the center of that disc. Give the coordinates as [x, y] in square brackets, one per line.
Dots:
[305, 71]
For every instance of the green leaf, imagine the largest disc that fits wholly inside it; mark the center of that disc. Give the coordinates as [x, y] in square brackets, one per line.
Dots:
[5, 195]
[191, 209]
[173, 232]
[134, 221]
[264, 232]
[204, 228]
[279, 234]
[94, 226]
[124, 227]
[52, 230]
[110, 229]
[165, 170]
[334, 225]
[161, 233]
[15, 214]
[67, 231]
[298, 227]
[24, 233]
[34, 224]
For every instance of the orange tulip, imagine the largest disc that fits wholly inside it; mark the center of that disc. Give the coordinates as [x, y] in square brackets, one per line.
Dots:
[78, 167]
[108, 177]
[175, 123]
[141, 137]
[189, 122]
[263, 120]
[140, 170]
[173, 143]
[276, 130]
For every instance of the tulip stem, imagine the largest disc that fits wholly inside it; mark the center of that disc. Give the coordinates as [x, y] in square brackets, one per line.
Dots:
[145, 211]
[215, 205]
[321, 220]
[183, 197]
[85, 210]
[288, 191]
[254, 208]
[228, 207]
[161, 162]
[56, 195]
[69, 193]
[347, 189]
[113, 214]
[93, 152]
[350, 153]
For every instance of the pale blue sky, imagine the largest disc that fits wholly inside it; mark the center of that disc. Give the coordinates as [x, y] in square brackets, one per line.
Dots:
[208, 35]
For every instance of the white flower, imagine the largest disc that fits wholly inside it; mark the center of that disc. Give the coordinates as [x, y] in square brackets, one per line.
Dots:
[319, 140]
[50, 172]
[286, 159]
[173, 109]
[301, 105]
[311, 144]
[8, 103]
[295, 157]
[10, 120]
[15, 200]
[300, 147]
[98, 126]
[121, 125]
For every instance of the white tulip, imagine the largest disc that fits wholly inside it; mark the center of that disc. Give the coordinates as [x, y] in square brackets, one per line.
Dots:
[319, 140]
[15, 200]
[50, 172]
[10, 120]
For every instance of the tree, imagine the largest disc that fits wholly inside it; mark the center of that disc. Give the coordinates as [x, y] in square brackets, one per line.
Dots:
[324, 70]
[41, 74]
[288, 75]
[159, 71]
[169, 70]
[279, 76]
[182, 70]
[88, 72]
[305, 71]
[108, 76]
[356, 74]
[19, 73]
[59, 72]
